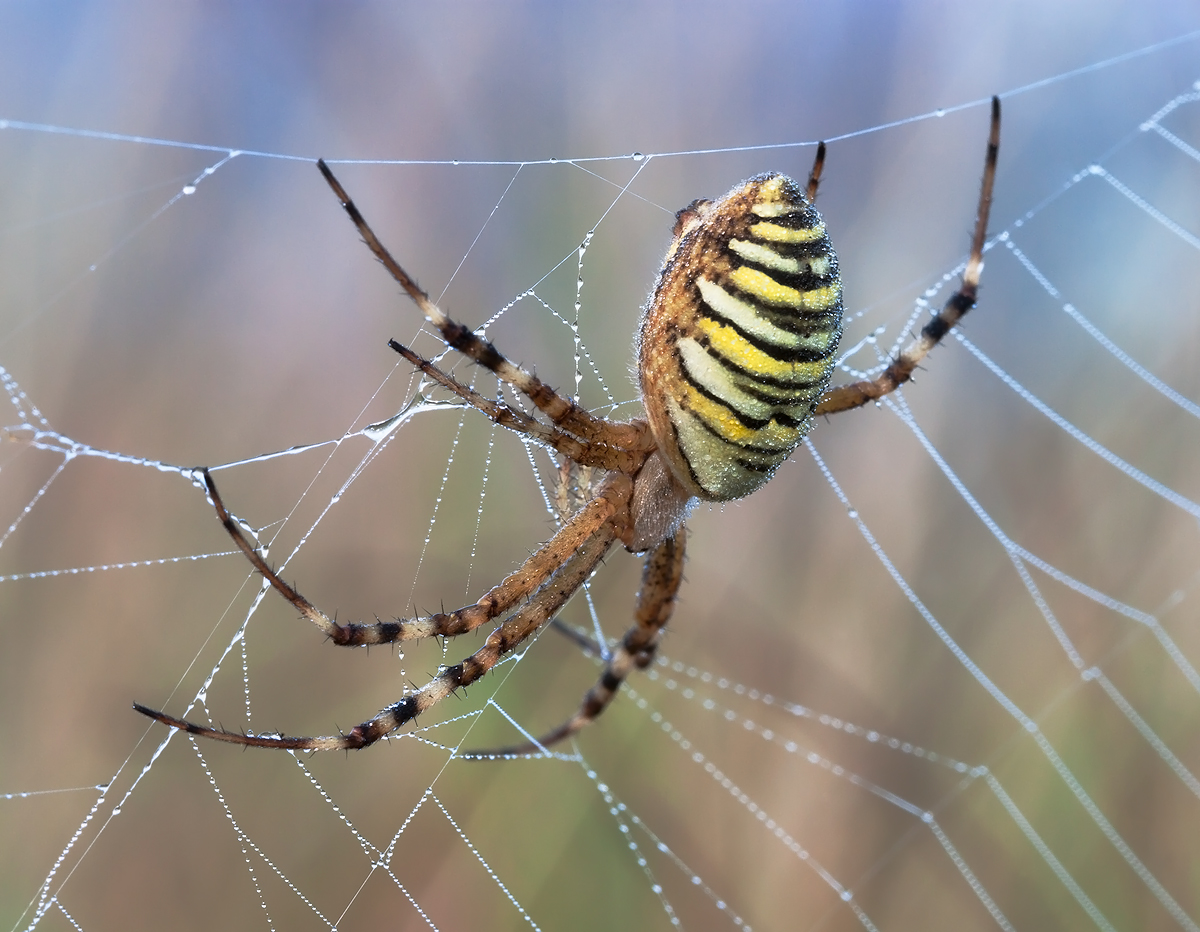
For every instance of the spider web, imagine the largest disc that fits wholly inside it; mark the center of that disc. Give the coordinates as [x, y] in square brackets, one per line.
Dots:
[939, 673]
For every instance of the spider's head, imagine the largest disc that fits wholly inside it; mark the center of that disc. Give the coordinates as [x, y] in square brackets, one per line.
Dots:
[660, 504]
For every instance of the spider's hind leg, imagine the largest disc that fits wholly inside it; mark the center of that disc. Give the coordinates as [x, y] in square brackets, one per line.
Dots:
[584, 452]
[563, 412]
[900, 369]
[814, 176]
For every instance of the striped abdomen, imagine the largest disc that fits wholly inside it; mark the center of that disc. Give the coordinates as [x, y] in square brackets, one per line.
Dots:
[739, 338]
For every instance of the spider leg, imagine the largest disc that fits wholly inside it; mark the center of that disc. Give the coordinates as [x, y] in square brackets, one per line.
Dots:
[581, 451]
[814, 176]
[586, 644]
[900, 370]
[563, 412]
[661, 578]
[565, 582]
[515, 588]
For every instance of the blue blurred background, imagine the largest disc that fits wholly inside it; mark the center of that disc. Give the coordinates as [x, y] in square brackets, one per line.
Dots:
[246, 318]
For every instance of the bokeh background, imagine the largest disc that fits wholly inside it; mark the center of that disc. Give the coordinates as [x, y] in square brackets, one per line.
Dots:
[246, 318]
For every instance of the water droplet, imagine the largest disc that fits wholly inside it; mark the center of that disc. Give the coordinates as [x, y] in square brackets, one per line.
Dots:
[637, 156]
[189, 189]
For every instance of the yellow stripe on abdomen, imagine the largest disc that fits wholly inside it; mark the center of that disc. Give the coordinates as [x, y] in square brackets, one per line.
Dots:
[740, 336]
[752, 361]
[776, 233]
[762, 286]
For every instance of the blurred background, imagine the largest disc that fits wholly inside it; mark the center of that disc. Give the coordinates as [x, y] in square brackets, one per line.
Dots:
[245, 318]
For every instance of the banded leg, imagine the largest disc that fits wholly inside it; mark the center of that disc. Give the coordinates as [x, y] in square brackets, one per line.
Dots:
[563, 412]
[509, 635]
[581, 451]
[661, 578]
[814, 176]
[515, 588]
[900, 370]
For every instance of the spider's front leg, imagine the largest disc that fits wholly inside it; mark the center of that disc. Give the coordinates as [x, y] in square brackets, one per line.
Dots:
[536, 612]
[544, 583]
[661, 578]
[515, 588]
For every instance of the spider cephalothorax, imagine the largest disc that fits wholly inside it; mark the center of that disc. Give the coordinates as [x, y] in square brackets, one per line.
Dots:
[735, 352]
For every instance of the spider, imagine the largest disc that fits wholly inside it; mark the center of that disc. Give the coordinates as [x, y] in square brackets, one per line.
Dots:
[735, 352]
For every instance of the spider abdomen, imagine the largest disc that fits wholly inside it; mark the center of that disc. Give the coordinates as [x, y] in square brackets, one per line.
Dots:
[738, 340]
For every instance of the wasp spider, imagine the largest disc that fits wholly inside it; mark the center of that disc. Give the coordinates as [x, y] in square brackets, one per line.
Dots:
[735, 352]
